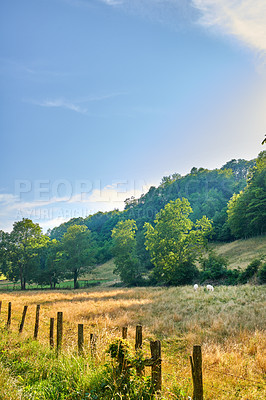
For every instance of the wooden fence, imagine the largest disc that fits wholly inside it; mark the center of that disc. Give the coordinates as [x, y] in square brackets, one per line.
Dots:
[155, 360]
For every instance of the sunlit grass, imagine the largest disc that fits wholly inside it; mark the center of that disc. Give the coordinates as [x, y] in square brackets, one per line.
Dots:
[229, 324]
[241, 252]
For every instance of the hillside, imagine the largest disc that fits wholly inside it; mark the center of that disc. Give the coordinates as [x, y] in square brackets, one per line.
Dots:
[238, 253]
[241, 252]
[104, 272]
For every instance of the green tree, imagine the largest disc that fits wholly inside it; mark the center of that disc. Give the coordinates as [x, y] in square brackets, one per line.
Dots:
[214, 267]
[77, 252]
[20, 251]
[124, 251]
[175, 241]
[51, 270]
[247, 210]
[240, 167]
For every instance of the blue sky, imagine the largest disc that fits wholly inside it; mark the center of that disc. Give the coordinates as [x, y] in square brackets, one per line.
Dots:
[100, 99]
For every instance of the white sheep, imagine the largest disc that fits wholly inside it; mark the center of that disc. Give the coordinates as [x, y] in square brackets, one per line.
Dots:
[210, 288]
[196, 286]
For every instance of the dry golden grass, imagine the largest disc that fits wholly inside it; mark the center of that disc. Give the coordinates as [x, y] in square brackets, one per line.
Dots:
[241, 252]
[229, 323]
[104, 271]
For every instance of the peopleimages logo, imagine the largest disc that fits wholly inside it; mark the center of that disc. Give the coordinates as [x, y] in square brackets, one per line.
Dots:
[63, 190]
[41, 214]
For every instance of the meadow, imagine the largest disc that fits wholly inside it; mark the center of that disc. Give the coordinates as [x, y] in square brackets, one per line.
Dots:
[229, 323]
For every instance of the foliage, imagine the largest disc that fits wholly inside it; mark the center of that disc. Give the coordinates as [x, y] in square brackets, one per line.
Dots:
[214, 267]
[51, 270]
[42, 375]
[240, 167]
[262, 274]
[175, 242]
[250, 271]
[126, 384]
[124, 251]
[247, 210]
[100, 225]
[208, 192]
[77, 252]
[20, 251]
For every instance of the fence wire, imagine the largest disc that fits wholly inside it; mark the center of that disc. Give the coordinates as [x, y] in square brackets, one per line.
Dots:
[207, 368]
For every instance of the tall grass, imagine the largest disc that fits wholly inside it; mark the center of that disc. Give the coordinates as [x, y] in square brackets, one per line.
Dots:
[229, 324]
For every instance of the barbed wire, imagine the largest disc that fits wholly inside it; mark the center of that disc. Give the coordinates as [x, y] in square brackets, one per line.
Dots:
[235, 376]
[219, 372]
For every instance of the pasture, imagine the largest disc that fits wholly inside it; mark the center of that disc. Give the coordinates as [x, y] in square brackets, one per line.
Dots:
[229, 323]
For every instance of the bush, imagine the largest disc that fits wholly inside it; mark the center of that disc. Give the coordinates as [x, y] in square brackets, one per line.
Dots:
[262, 274]
[250, 271]
[232, 276]
[182, 274]
[123, 381]
[213, 268]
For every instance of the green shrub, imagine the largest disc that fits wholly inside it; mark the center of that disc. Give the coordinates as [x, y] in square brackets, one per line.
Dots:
[213, 268]
[262, 274]
[250, 271]
[123, 380]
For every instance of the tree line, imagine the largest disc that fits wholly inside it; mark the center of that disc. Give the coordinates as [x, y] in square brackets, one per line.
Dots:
[157, 238]
[27, 255]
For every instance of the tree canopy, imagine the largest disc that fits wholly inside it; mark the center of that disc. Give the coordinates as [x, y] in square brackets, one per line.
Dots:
[77, 252]
[247, 210]
[174, 242]
[124, 251]
[20, 251]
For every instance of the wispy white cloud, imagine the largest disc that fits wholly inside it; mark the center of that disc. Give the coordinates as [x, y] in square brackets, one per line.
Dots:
[77, 105]
[60, 103]
[243, 19]
[113, 2]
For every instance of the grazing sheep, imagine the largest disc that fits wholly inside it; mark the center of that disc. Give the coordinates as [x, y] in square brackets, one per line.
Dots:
[210, 288]
[196, 286]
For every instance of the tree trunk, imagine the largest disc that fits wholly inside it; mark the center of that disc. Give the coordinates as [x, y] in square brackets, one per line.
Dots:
[76, 285]
[22, 281]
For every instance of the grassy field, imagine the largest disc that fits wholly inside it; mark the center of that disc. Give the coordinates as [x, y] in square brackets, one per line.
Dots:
[104, 273]
[229, 324]
[241, 252]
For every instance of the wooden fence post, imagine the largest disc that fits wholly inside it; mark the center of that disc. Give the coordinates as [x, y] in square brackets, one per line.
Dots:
[156, 369]
[124, 332]
[138, 346]
[93, 339]
[138, 339]
[0, 306]
[196, 367]
[37, 319]
[80, 339]
[9, 315]
[23, 319]
[51, 335]
[59, 331]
